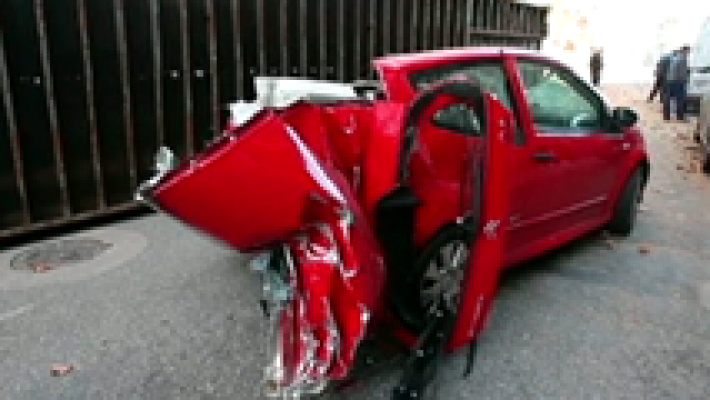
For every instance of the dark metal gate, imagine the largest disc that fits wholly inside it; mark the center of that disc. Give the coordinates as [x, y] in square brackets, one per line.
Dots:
[90, 88]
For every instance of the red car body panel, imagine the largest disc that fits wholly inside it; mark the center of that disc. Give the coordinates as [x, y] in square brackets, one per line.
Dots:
[340, 276]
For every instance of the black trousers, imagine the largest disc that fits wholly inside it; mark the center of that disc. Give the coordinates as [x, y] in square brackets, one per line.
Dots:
[658, 88]
[596, 77]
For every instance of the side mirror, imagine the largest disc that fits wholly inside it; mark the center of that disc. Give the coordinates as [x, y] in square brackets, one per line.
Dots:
[625, 117]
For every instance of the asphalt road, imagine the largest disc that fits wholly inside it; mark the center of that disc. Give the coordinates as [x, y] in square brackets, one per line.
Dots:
[172, 315]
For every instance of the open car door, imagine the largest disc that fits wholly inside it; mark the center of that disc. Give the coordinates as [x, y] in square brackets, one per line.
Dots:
[487, 255]
[459, 171]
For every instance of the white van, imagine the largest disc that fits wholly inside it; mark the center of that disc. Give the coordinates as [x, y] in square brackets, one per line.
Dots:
[699, 63]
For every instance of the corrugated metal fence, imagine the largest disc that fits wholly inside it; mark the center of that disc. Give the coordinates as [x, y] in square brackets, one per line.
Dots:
[90, 88]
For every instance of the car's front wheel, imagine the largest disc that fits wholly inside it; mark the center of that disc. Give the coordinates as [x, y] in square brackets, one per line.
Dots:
[624, 219]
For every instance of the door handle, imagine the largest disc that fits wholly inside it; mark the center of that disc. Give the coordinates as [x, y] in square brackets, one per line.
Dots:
[544, 156]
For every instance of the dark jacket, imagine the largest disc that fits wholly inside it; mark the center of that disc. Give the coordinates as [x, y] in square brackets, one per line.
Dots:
[662, 65]
[678, 70]
[595, 63]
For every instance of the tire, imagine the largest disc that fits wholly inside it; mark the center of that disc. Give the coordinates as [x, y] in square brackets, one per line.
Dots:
[706, 164]
[445, 258]
[624, 219]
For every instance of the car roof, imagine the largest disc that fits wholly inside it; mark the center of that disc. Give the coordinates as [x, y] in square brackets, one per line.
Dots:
[405, 61]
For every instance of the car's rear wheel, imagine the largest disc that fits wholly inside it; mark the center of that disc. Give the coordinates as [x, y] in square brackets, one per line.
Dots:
[440, 270]
[624, 219]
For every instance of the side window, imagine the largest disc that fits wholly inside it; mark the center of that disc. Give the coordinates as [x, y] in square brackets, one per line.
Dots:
[458, 117]
[489, 74]
[559, 101]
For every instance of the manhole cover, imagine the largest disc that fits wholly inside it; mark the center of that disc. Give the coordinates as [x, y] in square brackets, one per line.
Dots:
[58, 254]
[69, 258]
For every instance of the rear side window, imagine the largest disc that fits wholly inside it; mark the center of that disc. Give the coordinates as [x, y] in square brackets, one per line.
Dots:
[458, 117]
[490, 74]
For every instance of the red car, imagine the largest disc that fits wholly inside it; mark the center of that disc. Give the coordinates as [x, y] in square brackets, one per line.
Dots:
[396, 211]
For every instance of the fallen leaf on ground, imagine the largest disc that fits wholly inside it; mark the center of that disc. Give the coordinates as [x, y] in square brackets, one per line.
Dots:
[608, 240]
[632, 319]
[41, 267]
[644, 249]
[62, 369]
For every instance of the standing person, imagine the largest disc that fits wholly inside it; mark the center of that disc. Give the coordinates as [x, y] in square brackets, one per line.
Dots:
[677, 84]
[595, 66]
[661, 73]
